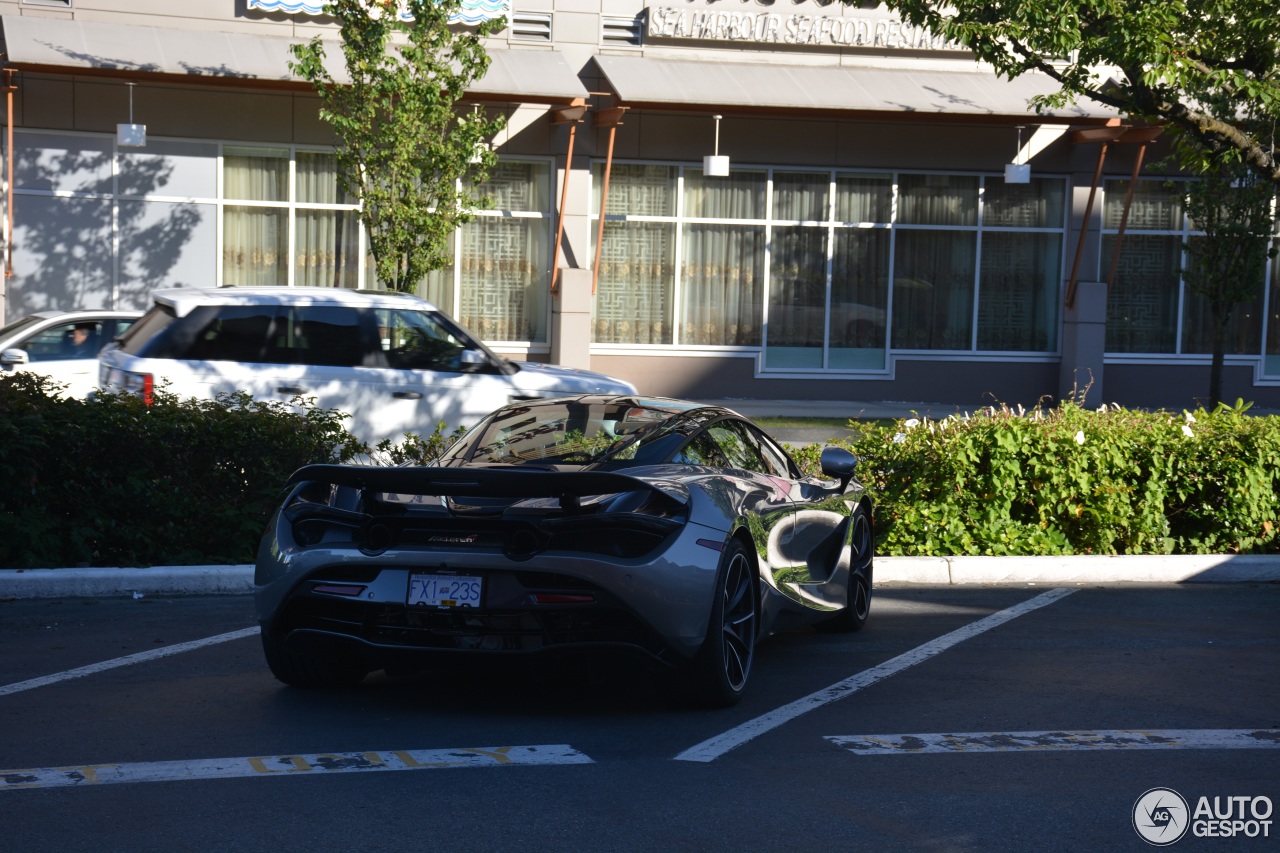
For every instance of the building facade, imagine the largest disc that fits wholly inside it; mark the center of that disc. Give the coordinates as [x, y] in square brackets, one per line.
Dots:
[867, 242]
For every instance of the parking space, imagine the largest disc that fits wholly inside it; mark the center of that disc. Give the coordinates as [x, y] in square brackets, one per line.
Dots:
[932, 729]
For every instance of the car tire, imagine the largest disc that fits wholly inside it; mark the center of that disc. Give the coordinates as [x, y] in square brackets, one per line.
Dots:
[858, 587]
[717, 676]
[322, 665]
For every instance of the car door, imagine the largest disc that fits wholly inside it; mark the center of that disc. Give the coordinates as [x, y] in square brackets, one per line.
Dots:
[814, 544]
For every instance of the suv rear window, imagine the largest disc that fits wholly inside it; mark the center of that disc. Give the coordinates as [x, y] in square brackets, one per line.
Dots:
[267, 334]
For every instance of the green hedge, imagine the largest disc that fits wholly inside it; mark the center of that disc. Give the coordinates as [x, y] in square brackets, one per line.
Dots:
[1073, 481]
[111, 482]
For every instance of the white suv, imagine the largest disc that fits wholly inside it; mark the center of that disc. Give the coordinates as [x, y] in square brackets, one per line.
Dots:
[394, 363]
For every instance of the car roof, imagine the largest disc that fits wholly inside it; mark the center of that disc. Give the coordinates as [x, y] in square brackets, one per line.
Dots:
[80, 314]
[183, 299]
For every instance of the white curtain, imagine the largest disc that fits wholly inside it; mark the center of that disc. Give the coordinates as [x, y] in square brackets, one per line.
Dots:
[255, 245]
[933, 283]
[798, 287]
[722, 276]
[327, 248]
[722, 271]
[255, 240]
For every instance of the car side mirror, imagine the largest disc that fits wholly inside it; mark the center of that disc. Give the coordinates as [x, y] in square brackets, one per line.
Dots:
[472, 360]
[838, 463]
[14, 357]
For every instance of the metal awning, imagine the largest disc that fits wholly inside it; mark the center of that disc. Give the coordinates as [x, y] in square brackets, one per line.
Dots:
[470, 12]
[882, 92]
[60, 46]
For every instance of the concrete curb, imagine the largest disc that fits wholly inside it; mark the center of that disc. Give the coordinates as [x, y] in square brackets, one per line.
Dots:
[938, 571]
[1193, 568]
[157, 580]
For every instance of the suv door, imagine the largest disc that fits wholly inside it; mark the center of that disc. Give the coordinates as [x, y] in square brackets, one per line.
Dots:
[431, 371]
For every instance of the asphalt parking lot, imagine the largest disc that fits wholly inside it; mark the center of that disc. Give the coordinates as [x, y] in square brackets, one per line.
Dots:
[962, 718]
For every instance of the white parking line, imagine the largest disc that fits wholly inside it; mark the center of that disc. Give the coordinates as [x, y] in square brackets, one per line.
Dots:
[127, 660]
[713, 748]
[1059, 741]
[290, 765]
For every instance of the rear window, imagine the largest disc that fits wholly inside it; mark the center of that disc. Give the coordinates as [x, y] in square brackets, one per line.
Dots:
[269, 334]
[572, 432]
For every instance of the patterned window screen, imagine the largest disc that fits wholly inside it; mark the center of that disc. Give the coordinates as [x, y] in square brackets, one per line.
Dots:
[635, 287]
[505, 263]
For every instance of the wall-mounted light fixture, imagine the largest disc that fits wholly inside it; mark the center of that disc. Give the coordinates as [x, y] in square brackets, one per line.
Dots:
[1017, 172]
[131, 135]
[715, 165]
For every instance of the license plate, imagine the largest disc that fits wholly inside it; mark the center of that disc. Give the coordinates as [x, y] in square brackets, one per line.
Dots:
[445, 590]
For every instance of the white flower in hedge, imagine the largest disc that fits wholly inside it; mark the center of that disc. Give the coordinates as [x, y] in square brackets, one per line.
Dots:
[1080, 437]
[899, 438]
[1190, 417]
[911, 423]
[1186, 430]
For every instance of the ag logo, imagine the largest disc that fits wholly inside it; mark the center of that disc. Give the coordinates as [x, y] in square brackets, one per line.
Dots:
[1161, 816]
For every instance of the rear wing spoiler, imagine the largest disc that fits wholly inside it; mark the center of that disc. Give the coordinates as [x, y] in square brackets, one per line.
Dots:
[477, 482]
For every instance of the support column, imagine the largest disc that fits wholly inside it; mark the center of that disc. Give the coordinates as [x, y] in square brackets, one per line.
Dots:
[1084, 340]
[571, 319]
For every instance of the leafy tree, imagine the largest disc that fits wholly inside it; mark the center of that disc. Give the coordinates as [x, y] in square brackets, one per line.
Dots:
[1210, 69]
[404, 149]
[1232, 206]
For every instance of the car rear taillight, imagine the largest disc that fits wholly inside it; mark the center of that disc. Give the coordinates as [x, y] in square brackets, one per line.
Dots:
[140, 384]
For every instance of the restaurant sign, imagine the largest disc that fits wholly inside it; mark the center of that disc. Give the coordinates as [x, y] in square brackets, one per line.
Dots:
[887, 33]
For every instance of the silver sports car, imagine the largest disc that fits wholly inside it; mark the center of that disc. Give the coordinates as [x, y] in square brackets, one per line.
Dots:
[676, 530]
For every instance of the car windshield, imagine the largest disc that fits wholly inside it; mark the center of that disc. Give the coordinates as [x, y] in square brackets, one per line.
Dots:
[571, 433]
[18, 326]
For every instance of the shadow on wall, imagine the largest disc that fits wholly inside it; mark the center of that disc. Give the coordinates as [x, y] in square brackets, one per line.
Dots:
[67, 201]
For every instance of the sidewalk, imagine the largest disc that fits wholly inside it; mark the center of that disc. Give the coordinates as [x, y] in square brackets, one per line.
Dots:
[937, 571]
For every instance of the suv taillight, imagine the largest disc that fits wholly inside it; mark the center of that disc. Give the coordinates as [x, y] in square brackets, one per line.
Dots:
[141, 384]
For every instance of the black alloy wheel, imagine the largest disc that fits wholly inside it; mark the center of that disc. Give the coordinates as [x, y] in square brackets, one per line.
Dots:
[718, 675]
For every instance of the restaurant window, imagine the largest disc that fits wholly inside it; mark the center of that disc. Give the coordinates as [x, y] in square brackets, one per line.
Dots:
[285, 220]
[800, 263]
[1150, 309]
[933, 279]
[798, 242]
[635, 287]
[497, 283]
[1021, 267]
[1271, 361]
[504, 256]
[722, 263]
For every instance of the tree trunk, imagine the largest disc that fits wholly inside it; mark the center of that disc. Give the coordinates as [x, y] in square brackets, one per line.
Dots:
[1219, 351]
